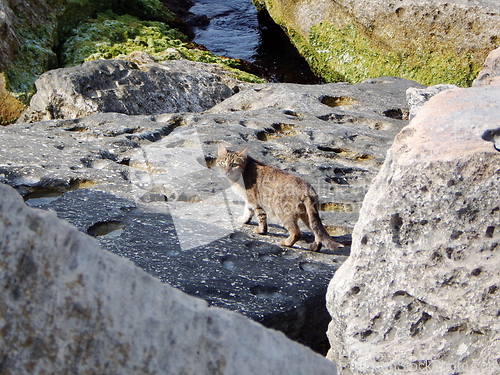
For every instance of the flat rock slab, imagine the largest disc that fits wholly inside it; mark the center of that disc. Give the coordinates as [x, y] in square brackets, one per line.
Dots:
[144, 186]
[70, 307]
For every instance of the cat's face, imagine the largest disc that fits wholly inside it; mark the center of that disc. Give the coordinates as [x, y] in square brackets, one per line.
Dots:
[231, 163]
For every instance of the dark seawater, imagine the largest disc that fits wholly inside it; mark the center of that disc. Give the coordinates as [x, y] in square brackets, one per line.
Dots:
[236, 30]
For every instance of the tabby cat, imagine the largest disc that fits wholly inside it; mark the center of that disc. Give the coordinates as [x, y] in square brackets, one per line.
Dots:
[269, 190]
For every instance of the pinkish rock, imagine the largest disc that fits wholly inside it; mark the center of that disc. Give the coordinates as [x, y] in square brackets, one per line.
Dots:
[420, 290]
[490, 75]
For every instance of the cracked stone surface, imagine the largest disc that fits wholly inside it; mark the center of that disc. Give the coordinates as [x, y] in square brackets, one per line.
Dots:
[130, 87]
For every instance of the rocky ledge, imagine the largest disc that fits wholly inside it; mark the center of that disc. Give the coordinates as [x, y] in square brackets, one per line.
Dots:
[142, 183]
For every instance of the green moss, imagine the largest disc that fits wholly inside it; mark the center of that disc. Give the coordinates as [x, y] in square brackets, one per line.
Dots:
[43, 26]
[346, 55]
[36, 57]
[109, 36]
[81, 10]
[71, 28]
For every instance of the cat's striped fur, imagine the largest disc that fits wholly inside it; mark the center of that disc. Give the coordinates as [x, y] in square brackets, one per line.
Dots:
[269, 190]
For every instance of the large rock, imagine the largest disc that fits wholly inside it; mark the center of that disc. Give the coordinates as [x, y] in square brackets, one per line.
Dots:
[8, 39]
[142, 185]
[127, 87]
[429, 41]
[69, 307]
[419, 291]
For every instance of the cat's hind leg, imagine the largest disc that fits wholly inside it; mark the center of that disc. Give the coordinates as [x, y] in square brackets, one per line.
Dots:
[262, 219]
[294, 231]
[316, 245]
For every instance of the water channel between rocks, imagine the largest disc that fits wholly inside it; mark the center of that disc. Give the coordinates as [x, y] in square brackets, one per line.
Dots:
[237, 30]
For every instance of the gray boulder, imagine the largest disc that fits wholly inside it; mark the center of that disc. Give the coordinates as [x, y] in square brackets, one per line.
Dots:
[8, 40]
[69, 307]
[416, 97]
[144, 187]
[419, 292]
[128, 87]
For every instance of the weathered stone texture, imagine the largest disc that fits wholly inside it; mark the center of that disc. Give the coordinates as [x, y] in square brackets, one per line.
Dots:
[490, 75]
[8, 39]
[127, 87]
[420, 289]
[67, 306]
[416, 97]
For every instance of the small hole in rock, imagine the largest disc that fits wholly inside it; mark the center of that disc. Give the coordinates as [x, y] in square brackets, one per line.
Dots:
[265, 291]
[397, 113]
[476, 272]
[106, 228]
[336, 101]
[355, 290]
[489, 232]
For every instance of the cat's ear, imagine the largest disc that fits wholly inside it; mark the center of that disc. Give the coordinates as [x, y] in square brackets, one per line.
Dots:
[222, 150]
[244, 152]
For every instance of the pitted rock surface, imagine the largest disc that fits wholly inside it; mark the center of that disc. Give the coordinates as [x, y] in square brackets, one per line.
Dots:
[127, 87]
[420, 288]
[144, 186]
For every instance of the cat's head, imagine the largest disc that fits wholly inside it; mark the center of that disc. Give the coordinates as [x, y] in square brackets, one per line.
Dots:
[231, 163]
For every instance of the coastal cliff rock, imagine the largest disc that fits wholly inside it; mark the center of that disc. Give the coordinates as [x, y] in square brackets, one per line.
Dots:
[144, 187]
[67, 306]
[419, 291]
[432, 42]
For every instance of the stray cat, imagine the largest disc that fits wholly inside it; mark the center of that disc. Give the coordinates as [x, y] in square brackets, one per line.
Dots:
[269, 190]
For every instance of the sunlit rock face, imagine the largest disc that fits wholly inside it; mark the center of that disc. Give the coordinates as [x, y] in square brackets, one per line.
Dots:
[145, 185]
[67, 306]
[135, 87]
[420, 289]
[431, 42]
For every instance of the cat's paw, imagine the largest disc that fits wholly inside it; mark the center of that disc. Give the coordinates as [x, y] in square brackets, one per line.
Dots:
[316, 246]
[244, 220]
[284, 243]
[260, 231]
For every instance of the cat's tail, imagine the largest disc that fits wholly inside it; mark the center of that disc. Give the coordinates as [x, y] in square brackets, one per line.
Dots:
[321, 236]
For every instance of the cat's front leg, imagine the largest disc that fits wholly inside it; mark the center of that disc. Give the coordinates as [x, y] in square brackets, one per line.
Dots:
[262, 219]
[247, 215]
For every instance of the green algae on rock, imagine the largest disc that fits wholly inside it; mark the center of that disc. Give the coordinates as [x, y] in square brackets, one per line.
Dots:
[416, 39]
[40, 27]
[109, 36]
[345, 53]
